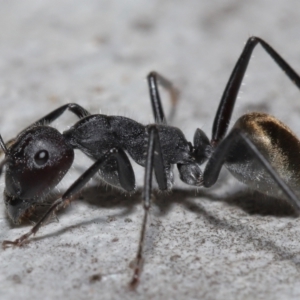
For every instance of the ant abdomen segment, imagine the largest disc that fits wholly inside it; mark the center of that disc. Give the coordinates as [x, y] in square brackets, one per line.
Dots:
[259, 151]
[277, 143]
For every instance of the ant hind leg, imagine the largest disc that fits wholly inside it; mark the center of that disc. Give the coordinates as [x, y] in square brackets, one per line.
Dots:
[227, 102]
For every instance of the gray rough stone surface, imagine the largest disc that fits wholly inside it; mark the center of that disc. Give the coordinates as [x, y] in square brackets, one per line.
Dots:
[223, 243]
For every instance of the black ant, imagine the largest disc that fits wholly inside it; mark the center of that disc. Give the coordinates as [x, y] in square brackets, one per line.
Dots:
[260, 151]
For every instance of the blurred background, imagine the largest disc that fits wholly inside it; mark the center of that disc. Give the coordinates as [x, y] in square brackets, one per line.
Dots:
[207, 245]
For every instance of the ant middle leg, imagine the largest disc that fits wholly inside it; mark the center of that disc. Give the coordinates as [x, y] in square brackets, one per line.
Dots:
[154, 161]
[126, 179]
[153, 79]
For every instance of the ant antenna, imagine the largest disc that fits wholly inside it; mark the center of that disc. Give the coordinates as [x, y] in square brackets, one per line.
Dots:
[2, 145]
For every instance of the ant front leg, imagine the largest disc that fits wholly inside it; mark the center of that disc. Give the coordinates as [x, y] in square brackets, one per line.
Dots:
[153, 79]
[126, 178]
[224, 112]
[154, 161]
[78, 110]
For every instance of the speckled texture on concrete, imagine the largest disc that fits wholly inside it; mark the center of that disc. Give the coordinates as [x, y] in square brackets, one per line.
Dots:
[222, 243]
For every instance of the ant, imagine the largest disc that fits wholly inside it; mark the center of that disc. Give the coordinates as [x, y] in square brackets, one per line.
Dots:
[260, 151]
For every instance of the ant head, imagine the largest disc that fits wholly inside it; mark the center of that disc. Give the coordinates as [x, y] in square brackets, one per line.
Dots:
[35, 163]
[202, 146]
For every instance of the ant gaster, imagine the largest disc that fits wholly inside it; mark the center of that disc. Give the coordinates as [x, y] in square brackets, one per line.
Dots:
[260, 151]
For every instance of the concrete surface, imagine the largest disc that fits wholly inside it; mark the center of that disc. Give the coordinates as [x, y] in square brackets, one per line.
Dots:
[222, 243]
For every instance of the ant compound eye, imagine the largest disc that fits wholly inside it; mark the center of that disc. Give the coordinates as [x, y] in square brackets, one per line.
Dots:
[41, 157]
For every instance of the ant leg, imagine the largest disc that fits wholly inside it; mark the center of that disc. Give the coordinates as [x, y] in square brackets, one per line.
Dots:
[223, 115]
[126, 179]
[222, 152]
[154, 161]
[78, 110]
[118, 172]
[157, 107]
[158, 111]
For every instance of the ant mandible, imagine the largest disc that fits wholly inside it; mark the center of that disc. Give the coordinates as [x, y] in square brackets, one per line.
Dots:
[260, 151]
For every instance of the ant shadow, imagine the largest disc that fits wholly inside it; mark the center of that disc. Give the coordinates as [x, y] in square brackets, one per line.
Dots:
[106, 197]
[253, 203]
